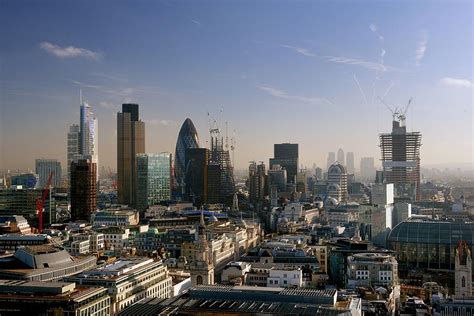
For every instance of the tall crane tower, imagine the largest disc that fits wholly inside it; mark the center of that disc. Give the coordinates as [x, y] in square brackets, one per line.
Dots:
[40, 203]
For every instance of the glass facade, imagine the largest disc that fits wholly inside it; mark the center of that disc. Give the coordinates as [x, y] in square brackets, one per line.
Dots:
[154, 179]
[187, 138]
[428, 244]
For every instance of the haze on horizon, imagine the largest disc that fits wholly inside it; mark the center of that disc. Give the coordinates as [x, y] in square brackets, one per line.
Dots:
[277, 71]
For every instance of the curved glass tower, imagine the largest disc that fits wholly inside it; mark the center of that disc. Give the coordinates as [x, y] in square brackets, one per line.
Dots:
[187, 138]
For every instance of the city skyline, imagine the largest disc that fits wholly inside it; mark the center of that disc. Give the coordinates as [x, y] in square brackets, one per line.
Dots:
[185, 60]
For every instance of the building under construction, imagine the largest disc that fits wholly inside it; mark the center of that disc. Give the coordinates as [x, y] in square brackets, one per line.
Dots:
[220, 178]
[401, 157]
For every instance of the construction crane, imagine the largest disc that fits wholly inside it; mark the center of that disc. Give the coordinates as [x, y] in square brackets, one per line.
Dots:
[40, 202]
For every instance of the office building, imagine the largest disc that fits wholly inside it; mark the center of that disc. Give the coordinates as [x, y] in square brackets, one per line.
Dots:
[153, 179]
[340, 157]
[401, 158]
[277, 177]
[187, 138]
[318, 173]
[196, 175]
[372, 269]
[25, 180]
[122, 216]
[350, 162]
[128, 280]
[73, 147]
[130, 142]
[257, 183]
[367, 168]
[83, 189]
[286, 155]
[337, 182]
[331, 159]
[45, 167]
[17, 200]
[14, 224]
[52, 298]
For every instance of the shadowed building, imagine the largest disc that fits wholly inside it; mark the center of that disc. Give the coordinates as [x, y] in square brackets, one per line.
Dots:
[286, 155]
[196, 175]
[83, 189]
[130, 142]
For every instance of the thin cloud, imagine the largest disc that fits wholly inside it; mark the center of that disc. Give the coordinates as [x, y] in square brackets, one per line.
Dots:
[421, 50]
[342, 60]
[373, 27]
[109, 76]
[156, 122]
[70, 51]
[284, 95]
[300, 50]
[454, 82]
[108, 105]
[197, 22]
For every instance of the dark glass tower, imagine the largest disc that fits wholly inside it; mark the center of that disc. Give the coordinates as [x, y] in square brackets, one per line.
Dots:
[130, 142]
[83, 189]
[286, 155]
[187, 138]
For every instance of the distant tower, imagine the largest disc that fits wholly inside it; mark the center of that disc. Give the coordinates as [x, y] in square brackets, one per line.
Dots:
[401, 156]
[463, 271]
[202, 269]
[340, 157]
[350, 163]
[235, 203]
[331, 159]
[44, 167]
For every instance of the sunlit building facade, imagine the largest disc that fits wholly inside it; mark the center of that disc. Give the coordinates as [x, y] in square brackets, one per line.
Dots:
[154, 179]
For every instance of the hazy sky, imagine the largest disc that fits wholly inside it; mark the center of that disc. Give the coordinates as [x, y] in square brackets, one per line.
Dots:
[277, 71]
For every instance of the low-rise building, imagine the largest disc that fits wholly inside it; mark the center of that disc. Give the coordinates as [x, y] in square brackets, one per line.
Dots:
[15, 241]
[120, 216]
[285, 278]
[376, 269]
[14, 224]
[43, 263]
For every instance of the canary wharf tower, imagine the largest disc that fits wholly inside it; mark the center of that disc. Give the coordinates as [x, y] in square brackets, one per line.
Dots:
[401, 158]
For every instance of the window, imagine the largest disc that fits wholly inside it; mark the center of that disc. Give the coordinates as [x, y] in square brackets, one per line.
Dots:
[463, 281]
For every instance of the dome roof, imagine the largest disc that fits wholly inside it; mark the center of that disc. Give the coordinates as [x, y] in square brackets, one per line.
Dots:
[337, 168]
[331, 201]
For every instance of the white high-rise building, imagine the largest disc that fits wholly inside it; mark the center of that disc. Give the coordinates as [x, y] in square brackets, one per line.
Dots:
[88, 133]
[340, 157]
[337, 182]
[350, 162]
[73, 148]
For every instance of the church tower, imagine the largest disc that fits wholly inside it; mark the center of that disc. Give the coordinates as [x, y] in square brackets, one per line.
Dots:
[202, 269]
[463, 271]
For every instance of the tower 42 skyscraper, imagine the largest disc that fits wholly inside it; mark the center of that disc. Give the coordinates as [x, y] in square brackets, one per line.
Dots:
[130, 142]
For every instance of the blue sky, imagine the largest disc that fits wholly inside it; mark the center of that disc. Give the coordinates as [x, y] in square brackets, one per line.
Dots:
[276, 71]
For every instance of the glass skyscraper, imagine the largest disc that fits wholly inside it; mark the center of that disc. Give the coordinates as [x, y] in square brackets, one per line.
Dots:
[187, 138]
[154, 179]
